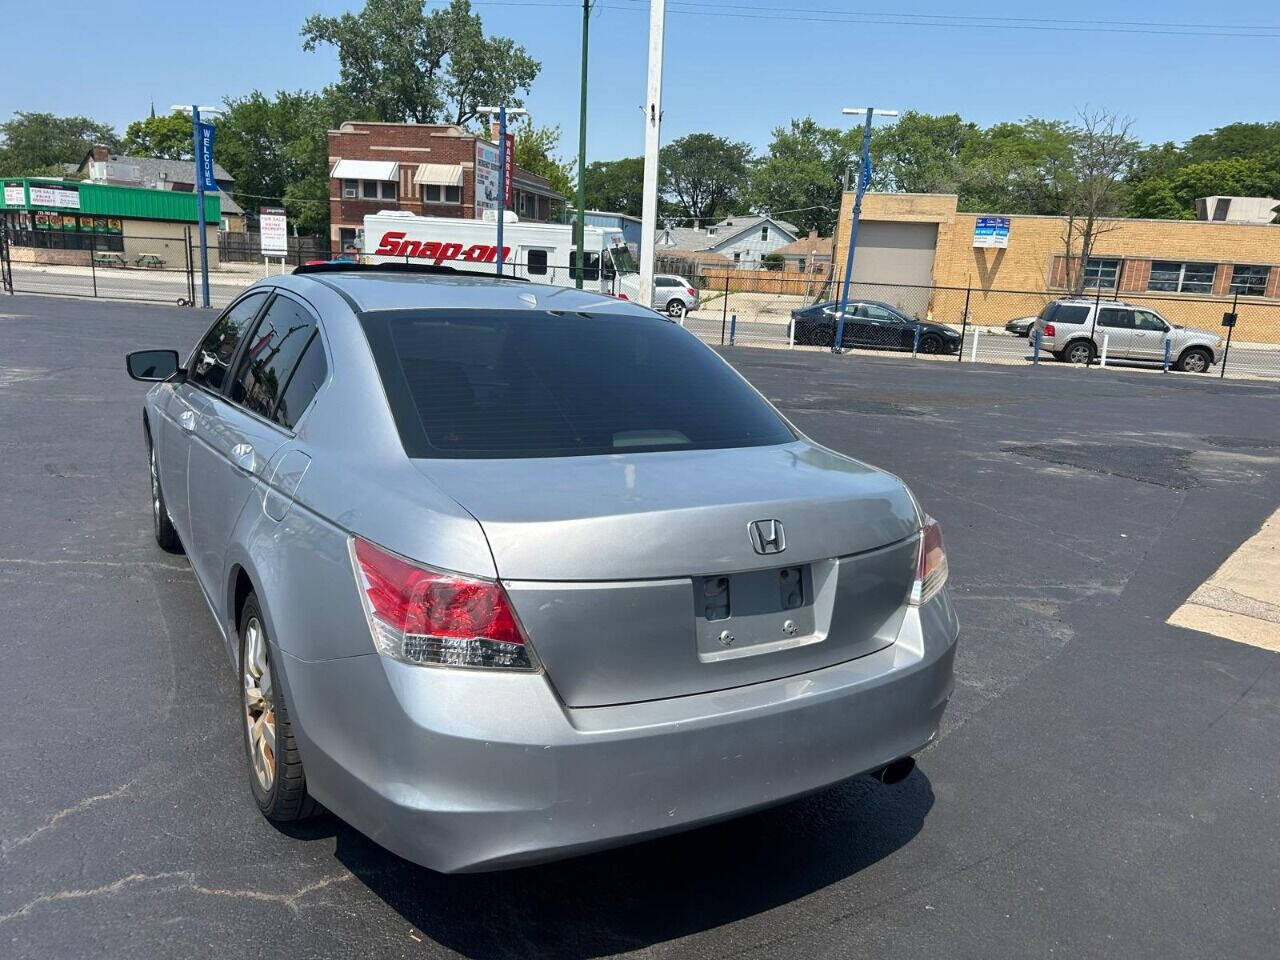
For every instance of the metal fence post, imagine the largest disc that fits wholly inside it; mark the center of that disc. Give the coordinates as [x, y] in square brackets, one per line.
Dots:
[1226, 350]
[724, 312]
[6, 270]
[973, 350]
[964, 324]
[1106, 342]
[1168, 351]
[733, 328]
[791, 334]
[1035, 348]
[93, 265]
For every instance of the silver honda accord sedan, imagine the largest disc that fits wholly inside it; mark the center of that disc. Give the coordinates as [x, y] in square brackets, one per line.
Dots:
[511, 573]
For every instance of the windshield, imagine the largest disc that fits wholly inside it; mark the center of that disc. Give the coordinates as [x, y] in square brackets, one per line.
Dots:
[622, 259]
[543, 384]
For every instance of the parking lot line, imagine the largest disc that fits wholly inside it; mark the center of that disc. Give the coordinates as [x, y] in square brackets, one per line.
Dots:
[1241, 601]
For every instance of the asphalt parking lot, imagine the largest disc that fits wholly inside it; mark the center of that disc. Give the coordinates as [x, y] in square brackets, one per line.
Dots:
[1105, 784]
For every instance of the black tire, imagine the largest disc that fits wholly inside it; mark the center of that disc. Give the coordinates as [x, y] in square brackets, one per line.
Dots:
[286, 798]
[162, 525]
[930, 343]
[1195, 360]
[676, 309]
[1079, 351]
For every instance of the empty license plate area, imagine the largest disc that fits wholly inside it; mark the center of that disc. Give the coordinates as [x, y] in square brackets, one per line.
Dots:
[741, 614]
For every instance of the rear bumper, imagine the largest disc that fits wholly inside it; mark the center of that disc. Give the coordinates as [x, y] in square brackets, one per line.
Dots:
[467, 770]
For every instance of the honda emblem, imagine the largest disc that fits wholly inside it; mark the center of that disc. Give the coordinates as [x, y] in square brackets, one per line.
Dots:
[767, 536]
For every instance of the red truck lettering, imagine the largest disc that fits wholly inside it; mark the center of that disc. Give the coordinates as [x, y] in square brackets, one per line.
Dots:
[394, 244]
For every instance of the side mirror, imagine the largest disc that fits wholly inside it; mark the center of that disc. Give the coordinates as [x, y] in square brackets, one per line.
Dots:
[151, 366]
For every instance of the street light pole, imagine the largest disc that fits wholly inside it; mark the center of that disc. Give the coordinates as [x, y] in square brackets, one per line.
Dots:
[502, 113]
[580, 227]
[652, 140]
[864, 178]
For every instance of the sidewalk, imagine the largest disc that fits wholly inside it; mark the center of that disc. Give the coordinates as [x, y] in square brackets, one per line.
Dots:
[1241, 601]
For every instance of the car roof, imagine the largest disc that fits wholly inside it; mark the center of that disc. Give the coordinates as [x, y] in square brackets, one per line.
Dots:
[368, 290]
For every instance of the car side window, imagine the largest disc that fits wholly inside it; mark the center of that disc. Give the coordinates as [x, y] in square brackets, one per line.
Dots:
[879, 314]
[1115, 318]
[665, 282]
[1070, 313]
[212, 358]
[1146, 320]
[304, 382]
[272, 353]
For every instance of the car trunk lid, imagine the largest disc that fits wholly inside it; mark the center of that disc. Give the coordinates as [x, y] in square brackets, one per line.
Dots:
[637, 576]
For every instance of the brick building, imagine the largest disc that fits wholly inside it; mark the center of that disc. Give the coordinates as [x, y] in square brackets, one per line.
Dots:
[433, 170]
[921, 240]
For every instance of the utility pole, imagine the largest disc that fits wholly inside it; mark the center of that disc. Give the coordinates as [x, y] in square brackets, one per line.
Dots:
[864, 179]
[652, 140]
[580, 228]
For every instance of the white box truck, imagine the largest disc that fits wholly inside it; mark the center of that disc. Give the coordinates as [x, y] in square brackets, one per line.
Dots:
[538, 252]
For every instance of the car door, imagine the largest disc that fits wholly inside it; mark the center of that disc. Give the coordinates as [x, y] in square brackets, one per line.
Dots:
[1116, 325]
[878, 326]
[239, 431]
[207, 370]
[1149, 333]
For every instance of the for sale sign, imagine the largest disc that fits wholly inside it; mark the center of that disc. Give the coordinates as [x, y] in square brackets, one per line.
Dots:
[273, 232]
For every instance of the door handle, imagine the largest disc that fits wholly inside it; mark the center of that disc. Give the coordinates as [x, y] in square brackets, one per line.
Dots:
[242, 456]
[188, 420]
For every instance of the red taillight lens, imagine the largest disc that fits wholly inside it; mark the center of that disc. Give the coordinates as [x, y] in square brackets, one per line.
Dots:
[931, 568]
[691, 292]
[426, 616]
[1048, 330]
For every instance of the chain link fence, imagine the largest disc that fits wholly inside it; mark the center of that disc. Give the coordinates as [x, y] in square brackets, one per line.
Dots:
[773, 309]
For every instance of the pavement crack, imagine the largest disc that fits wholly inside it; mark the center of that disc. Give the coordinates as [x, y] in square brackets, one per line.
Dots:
[72, 562]
[7, 845]
[173, 880]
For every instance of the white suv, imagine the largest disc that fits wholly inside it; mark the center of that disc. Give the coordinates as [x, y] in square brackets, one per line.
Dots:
[673, 295]
[1069, 330]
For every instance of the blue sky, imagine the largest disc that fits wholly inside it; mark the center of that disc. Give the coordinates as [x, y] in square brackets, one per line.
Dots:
[738, 76]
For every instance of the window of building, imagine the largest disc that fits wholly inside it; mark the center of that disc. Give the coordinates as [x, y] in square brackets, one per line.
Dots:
[1249, 281]
[437, 193]
[764, 233]
[350, 189]
[1101, 272]
[737, 257]
[346, 237]
[523, 203]
[1173, 277]
[369, 189]
[536, 262]
[389, 190]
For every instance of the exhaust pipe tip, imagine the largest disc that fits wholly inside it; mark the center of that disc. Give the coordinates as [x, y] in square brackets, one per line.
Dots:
[895, 772]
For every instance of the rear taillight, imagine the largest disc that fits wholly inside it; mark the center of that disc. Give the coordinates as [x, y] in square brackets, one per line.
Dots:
[931, 568]
[1048, 330]
[423, 616]
[691, 292]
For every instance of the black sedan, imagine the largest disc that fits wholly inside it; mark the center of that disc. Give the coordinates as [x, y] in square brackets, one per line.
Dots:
[868, 323]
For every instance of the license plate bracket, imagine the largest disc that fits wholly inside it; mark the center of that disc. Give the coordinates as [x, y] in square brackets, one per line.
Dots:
[753, 612]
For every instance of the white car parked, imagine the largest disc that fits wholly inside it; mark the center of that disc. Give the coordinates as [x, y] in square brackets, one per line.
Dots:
[674, 295]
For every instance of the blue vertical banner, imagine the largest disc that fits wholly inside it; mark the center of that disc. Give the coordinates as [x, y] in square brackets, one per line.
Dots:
[204, 162]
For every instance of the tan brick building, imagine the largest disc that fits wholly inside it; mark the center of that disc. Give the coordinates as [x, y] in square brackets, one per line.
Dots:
[434, 170]
[1189, 266]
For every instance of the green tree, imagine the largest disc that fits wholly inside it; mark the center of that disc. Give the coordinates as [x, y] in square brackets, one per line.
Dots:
[407, 65]
[802, 173]
[536, 150]
[921, 153]
[616, 186]
[167, 137]
[1225, 177]
[1026, 167]
[706, 176]
[33, 144]
[276, 149]
[1259, 141]
[1153, 198]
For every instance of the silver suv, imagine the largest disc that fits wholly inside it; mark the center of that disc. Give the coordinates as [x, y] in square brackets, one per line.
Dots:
[1069, 330]
[673, 295]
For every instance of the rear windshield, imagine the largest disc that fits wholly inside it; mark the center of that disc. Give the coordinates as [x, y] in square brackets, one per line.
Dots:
[539, 384]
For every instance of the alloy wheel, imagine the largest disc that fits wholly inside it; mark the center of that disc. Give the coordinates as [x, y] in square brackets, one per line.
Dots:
[676, 309]
[259, 705]
[1080, 353]
[1194, 362]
